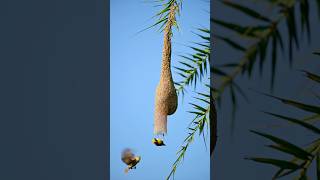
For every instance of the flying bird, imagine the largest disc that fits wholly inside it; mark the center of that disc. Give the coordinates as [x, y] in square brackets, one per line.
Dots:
[158, 142]
[129, 159]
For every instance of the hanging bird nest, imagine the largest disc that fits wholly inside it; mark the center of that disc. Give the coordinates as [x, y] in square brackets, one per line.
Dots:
[166, 100]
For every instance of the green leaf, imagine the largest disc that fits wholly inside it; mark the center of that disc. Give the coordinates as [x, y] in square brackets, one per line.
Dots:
[298, 122]
[192, 129]
[252, 56]
[263, 45]
[279, 38]
[183, 70]
[285, 173]
[201, 125]
[291, 31]
[202, 52]
[207, 38]
[237, 87]
[205, 95]
[203, 45]
[313, 77]
[186, 64]
[288, 151]
[292, 26]
[304, 13]
[302, 106]
[163, 20]
[318, 5]
[218, 72]
[302, 175]
[231, 43]
[310, 149]
[198, 107]
[204, 30]
[188, 58]
[196, 112]
[293, 149]
[274, 60]
[276, 162]
[311, 118]
[245, 10]
[203, 100]
[234, 107]
[250, 31]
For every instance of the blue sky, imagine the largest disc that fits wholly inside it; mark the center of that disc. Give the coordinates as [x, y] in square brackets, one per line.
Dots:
[135, 71]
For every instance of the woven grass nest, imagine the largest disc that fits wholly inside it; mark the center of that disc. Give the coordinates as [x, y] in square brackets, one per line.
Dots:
[166, 99]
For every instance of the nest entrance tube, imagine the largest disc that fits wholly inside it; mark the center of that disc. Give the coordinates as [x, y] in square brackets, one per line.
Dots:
[166, 100]
[160, 123]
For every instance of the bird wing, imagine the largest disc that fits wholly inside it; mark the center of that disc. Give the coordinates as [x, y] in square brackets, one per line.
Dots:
[127, 156]
[133, 162]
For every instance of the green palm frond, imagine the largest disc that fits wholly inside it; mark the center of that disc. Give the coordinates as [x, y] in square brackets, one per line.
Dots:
[302, 157]
[193, 67]
[250, 12]
[254, 42]
[163, 14]
[201, 112]
[312, 76]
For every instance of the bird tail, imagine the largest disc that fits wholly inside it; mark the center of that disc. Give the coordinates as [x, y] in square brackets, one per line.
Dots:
[126, 170]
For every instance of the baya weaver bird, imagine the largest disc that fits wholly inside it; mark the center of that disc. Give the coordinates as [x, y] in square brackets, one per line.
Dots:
[129, 159]
[158, 142]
